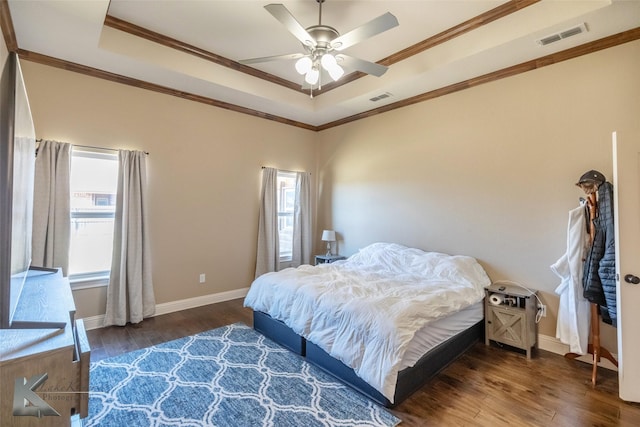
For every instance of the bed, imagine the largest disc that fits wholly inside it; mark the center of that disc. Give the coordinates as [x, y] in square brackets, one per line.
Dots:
[384, 321]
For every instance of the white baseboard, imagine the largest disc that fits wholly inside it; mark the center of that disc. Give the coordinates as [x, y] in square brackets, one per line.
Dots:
[554, 345]
[93, 322]
[96, 322]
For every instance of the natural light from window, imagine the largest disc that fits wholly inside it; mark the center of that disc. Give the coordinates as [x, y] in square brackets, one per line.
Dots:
[94, 180]
[286, 202]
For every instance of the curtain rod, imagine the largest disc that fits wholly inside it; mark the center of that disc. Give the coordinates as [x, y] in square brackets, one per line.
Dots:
[285, 170]
[97, 148]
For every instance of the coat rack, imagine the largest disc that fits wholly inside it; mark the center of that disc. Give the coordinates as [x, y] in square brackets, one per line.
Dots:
[594, 348]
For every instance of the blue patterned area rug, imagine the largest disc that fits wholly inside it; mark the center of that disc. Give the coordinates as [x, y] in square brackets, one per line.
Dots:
[230, 376]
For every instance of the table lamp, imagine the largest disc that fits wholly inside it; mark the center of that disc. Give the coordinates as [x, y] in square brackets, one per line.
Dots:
[328, 236]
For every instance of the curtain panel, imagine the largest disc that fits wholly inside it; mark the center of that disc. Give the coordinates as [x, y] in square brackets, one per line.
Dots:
[130, 296]
[51, 235]
[268, 251]
[301, 253]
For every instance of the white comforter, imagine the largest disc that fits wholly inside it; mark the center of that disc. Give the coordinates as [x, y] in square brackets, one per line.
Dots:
[365, 310]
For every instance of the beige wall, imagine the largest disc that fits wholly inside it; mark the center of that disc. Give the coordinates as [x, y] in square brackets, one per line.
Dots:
[204, 173]
[487, 172]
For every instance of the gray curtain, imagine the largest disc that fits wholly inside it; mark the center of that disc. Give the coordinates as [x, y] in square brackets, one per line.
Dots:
[130, 295]
[52, 206]
[268, 254]
[302, 220]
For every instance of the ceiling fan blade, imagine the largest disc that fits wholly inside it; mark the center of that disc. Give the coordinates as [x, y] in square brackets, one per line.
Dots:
[361, 65]
[271, 58]
[376, 26]
[283, 15]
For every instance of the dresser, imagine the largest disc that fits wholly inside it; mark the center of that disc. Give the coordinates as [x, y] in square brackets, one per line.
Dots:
[44, 373]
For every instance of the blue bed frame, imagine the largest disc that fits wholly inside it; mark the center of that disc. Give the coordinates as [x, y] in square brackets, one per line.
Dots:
[409, 379]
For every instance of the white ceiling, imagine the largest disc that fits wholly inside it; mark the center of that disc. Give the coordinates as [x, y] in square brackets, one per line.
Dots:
[74, 31]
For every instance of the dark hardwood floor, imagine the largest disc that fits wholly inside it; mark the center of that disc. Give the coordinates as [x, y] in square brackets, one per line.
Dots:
[487, 386]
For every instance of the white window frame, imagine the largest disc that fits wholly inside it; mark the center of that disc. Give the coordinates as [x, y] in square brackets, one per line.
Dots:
[286, 259]
[98, 278]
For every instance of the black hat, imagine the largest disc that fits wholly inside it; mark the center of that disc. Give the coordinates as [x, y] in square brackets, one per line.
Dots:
[591, 177]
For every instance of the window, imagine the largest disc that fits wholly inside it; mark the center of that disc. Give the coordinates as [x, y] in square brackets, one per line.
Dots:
[94, 181]
[286, 202]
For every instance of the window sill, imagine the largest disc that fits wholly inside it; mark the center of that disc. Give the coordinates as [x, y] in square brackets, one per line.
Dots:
[285, 264]
[89, 282]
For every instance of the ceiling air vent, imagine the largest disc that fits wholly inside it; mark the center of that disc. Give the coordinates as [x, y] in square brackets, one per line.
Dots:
[379, 97]
[579, 29]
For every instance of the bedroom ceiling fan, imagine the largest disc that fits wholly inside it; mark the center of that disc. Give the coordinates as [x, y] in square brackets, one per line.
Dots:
[322, 43]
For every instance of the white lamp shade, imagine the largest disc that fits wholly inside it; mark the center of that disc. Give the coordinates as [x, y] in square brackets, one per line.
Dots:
[328, 61]
[303, 65]
[312, 76]
[336, 72]
[328, 236]
[330, 64]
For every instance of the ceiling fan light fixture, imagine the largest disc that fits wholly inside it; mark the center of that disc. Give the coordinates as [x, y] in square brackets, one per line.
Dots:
[330, 64]
[336, 72]
[312, 76]
[328, 61]
[303, 65]
[319, 40]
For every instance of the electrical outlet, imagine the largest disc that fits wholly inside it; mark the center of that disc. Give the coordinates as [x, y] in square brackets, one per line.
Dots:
[543, 310]
[202, 278]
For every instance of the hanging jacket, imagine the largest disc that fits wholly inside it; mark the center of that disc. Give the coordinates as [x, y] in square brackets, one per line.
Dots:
[599, 279]
[573, 323]
[607, 268]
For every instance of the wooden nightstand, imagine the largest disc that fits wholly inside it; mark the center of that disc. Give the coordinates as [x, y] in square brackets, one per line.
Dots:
[510, 316]
[327, 259]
